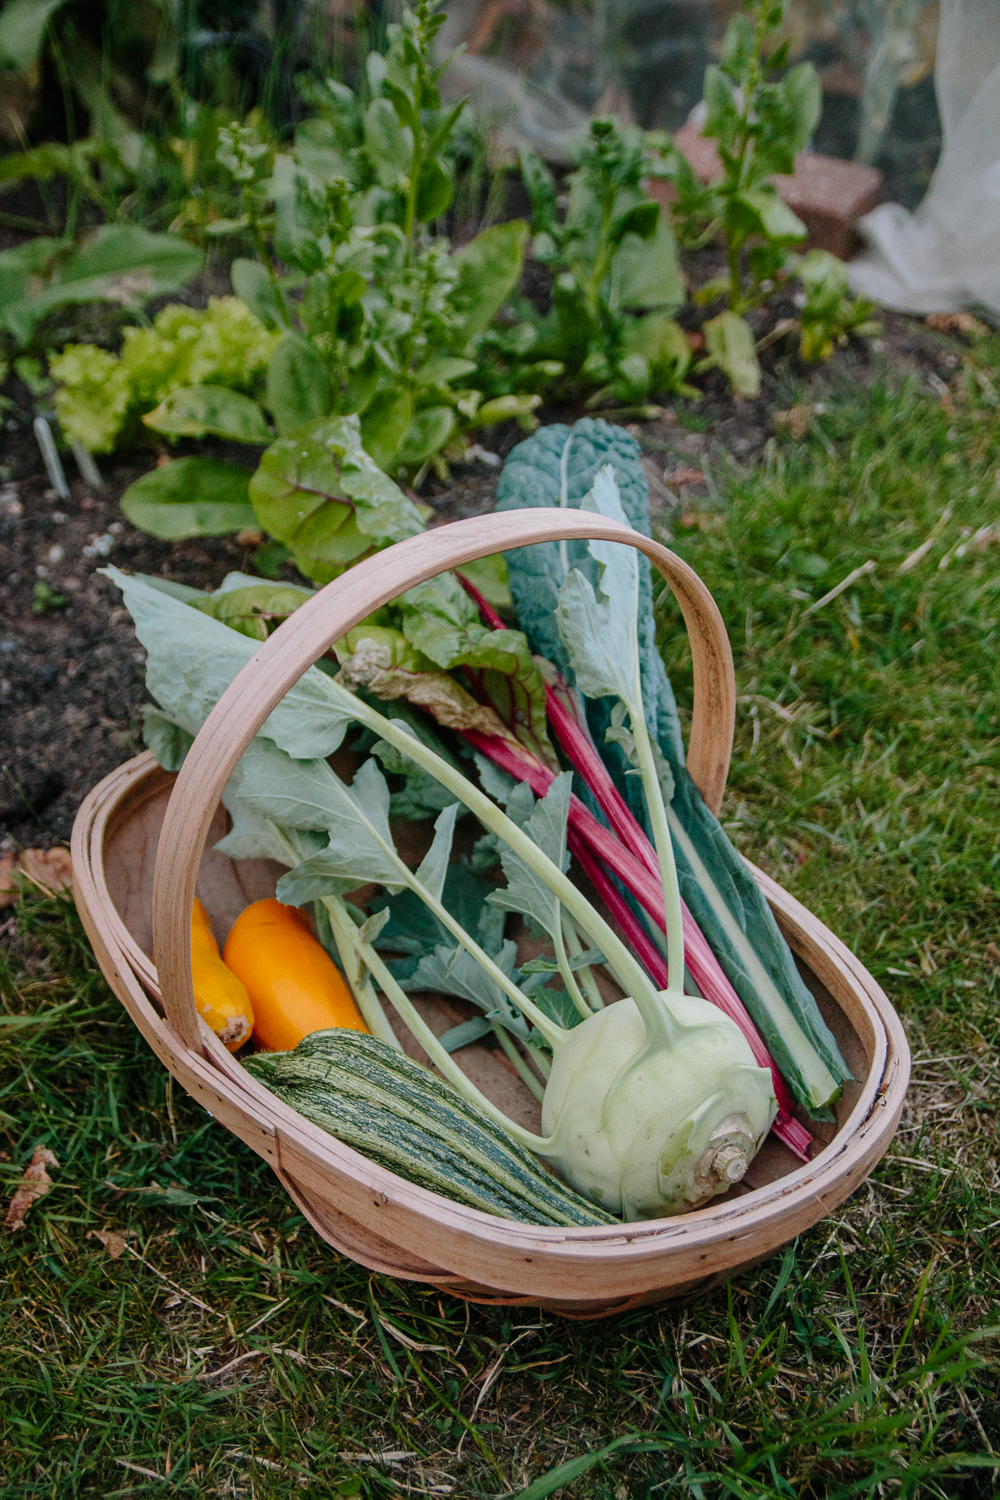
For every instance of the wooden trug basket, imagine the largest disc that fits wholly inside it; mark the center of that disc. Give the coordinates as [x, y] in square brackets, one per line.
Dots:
[130, 909]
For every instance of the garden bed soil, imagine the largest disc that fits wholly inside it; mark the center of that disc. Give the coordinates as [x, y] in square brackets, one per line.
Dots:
[72, 675]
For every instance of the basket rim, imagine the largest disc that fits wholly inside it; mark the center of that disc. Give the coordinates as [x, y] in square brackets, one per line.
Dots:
[860, 1141]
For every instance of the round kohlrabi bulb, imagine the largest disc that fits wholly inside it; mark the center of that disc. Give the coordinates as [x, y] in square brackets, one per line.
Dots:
[646, 1129]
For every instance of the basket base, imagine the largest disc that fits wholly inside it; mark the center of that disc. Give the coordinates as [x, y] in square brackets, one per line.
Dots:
[393, 1228]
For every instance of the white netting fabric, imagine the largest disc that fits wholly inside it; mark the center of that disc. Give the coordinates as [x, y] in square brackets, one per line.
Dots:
[946, 255]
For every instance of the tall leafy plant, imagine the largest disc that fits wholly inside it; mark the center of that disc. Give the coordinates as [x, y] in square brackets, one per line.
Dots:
[608, 335]
[760, 113]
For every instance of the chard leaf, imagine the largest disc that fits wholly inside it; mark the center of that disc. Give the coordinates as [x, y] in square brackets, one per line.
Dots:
[525, 893]
[192, 658]
[503, 670]
[387, 667]
[440, 619]
[434, 865]
[321, 494]
[249, 607]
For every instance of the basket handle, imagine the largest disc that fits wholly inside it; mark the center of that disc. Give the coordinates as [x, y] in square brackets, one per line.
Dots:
[330, 614]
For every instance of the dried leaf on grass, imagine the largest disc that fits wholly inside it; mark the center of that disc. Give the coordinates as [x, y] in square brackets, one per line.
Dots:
[114, 1242]
[49, 869]
[35, 1183]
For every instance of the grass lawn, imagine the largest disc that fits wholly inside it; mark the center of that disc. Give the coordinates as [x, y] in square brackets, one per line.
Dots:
[171, 1325]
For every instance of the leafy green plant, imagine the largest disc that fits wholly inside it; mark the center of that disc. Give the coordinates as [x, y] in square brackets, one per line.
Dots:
[223, 350]
[376, 316]
[829, 312]
[759, 120]
[615, 281]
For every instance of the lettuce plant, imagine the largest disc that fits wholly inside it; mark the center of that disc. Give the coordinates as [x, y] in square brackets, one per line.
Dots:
[759, 116]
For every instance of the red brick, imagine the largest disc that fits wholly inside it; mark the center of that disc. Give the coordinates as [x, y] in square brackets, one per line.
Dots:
[829, 195]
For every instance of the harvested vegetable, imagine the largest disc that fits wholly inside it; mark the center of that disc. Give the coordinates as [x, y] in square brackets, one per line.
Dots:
[402, 1117]
[221, 998]
[294, 986]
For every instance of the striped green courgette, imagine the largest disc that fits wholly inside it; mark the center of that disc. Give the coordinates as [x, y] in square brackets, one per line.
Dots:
[405, 1118]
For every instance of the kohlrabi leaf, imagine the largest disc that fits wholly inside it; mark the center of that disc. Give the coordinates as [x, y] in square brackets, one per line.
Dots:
[254, 836]
[453, 971]
[525, 893]
[434, 865]
[167, 740]
[422, 794]
[494, 782]
[308, 794]
[550, 966]
[321, 494]
[192, 658]
[416, 931]
[599, 629]
[463, 1034]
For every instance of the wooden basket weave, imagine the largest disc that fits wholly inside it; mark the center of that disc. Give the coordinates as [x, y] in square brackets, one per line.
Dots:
[143, 840]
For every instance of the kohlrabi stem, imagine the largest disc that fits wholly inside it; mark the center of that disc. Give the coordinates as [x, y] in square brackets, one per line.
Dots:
[550, 1030]
[520, 1066]
[568, 977]
[574, 946]
[817, 1080]
[442, 1059]
[553, 1033]
[661, 838]
[628, 972]
[369, 1005]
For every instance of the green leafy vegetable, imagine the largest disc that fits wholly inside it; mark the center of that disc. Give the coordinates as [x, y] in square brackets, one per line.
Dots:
[191, 497]
[321, 494]
[196, 410]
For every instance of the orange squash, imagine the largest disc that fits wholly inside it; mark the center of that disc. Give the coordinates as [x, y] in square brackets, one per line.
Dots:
[293, 984]
[220, 997]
